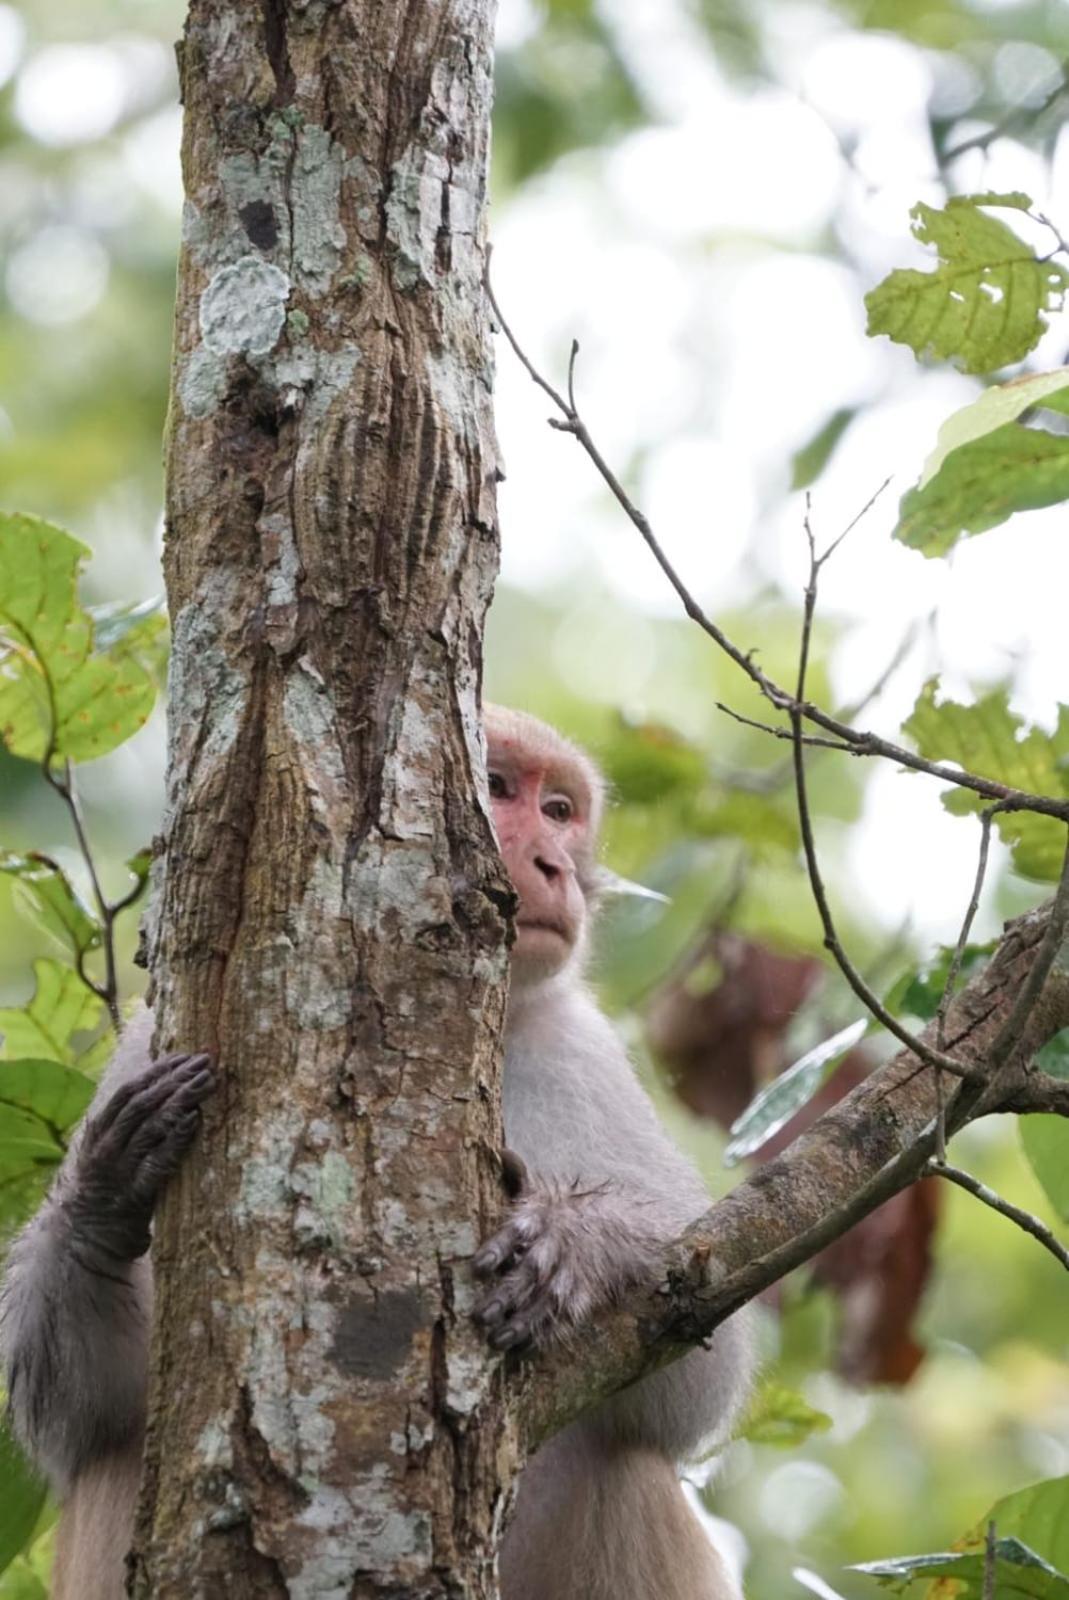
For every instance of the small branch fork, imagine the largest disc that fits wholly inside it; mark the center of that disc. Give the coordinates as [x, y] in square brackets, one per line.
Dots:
[861, 743]
[978, 1085]
[62, 781]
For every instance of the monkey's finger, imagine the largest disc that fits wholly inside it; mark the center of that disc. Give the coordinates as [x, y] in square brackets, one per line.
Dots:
[514, 1174]
[157, 1072]
[504, 1248]
[515, 1335]
[171, 1124]
[156, 1166]
[149, 1097]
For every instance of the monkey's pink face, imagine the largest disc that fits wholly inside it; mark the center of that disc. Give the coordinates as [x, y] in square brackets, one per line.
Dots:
[543, 826]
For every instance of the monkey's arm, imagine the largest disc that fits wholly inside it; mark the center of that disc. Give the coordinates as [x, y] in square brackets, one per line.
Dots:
[75, 1306]
[607, 1192]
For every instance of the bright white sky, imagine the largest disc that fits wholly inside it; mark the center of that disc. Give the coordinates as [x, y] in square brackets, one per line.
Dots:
[714, 341]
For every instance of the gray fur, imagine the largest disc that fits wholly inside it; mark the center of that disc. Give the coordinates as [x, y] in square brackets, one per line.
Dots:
[76, 1302]
[599, 1509]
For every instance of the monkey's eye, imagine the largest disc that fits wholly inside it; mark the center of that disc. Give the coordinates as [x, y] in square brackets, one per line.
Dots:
[498, 786]
[558, 808]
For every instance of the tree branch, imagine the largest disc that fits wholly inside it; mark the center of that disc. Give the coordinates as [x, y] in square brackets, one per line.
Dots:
[862, 743]
[869, 1146]
[1005, 1208]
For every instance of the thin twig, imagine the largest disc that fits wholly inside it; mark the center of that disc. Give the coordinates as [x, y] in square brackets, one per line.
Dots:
[1005, 1208]
[1019, 118]
[986, 819]
[954, 969]
[863, 743]
[812, 739]
[108, 991]
[932, 1058]
[989, 1563]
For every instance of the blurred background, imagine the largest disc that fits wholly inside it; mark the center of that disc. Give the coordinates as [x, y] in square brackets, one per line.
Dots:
[700, 192]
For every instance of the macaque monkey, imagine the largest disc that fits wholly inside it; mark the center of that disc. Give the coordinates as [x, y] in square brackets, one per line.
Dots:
[599, 1190]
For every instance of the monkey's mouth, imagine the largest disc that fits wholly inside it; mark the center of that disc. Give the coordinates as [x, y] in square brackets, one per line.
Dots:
[541, 925]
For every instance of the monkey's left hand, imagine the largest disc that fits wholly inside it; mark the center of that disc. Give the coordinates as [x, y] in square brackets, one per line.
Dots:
[563, 1251]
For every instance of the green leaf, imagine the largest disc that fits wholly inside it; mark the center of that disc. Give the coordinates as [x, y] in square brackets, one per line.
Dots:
[761, 821]
[56, 694]
[22, 1501]
[648, 762]
[56, 1094]
[781, 1416]
[61, 1008]
[1046, 1144]
[53, 901]
[1020, 1574]
[983, 306]
[26, 1143]
[809, 462]
[992, 741]
[1039, 1516]
[981, 484]
[776, 1105]
[919, 992]
[999, 404]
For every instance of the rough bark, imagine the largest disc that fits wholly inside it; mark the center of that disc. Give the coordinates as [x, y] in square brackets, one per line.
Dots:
[871, 1145]
[327, 912]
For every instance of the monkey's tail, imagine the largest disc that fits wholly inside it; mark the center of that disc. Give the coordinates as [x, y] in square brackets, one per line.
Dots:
[601, 1522]
[96, 1528]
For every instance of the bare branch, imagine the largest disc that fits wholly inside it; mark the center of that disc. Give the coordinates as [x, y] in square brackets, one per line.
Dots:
[1024, 1219]
[963, 937]
[937, 1057]
[863, 743]
[811, 739]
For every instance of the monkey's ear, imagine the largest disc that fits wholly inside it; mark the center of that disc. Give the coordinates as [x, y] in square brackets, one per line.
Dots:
[514, 1174]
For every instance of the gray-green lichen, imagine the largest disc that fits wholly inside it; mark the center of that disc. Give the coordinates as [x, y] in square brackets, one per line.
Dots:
[414, 215]
[202, 381]
[315, 197]
[243, 308]
[297, 323]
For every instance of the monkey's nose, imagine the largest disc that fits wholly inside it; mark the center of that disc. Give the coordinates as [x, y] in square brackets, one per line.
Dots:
[548, 869]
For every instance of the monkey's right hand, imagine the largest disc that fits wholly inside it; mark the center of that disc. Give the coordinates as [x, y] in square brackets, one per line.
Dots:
[128, 1150]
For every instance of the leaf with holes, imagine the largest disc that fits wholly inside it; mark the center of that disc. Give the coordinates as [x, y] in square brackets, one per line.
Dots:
[992, 741]
[58, 695]
[984, 305]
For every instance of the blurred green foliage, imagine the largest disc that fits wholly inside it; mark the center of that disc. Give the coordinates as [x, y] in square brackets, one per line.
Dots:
[703, 806]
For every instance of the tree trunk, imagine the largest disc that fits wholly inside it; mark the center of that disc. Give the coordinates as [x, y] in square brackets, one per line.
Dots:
[327, 912]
